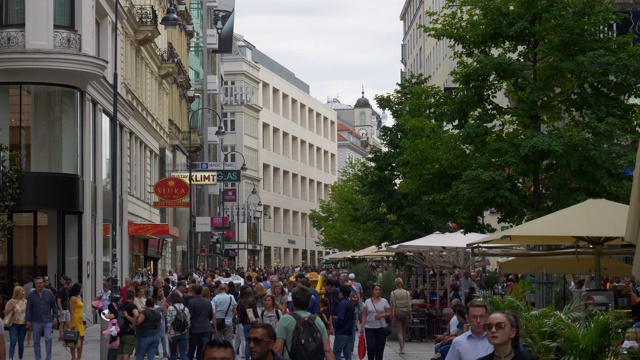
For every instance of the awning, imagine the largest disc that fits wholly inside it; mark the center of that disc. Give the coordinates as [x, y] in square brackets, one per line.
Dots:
[145, 230]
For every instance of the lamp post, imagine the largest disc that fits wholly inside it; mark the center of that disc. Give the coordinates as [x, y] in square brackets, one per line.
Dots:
[243, 169]
[254, 192]
[190, 240]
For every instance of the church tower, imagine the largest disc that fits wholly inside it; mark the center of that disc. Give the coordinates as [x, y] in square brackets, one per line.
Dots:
[363, 118]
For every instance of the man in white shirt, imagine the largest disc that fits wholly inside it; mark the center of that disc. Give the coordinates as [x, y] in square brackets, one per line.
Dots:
[474, 343]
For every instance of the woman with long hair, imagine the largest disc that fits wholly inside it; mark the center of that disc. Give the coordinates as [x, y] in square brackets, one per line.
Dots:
[400, 297]
[280, 296]
[247, 315]
[177, 340]
[158, 300]
[271, 314]
[374, 314]
[147, 325]
[76, 309]
[503, 332]
[18, 329]
[261, 293]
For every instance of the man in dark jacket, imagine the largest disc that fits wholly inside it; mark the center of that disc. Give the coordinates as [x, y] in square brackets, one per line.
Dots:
[201, 330]
[343, 343]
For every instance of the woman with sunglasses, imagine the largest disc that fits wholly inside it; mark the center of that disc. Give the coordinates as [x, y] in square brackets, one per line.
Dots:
[374, 314]
[503, 333]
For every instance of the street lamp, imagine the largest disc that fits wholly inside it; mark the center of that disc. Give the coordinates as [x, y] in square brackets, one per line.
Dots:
[190, 240]
[257, 214]
[243, 168]
[170, 20]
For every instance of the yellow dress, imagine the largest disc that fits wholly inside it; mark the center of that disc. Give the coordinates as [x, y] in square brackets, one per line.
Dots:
[78, 316]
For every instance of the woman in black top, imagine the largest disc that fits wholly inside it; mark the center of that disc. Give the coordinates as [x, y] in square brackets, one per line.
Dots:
[148, 325]
[247, 312]
[503, 333]
[232, 290]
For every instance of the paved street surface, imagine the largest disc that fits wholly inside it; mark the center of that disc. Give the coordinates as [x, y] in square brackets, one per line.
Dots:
[413, 350]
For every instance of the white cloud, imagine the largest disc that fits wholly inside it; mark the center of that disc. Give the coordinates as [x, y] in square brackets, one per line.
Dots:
[335, 46]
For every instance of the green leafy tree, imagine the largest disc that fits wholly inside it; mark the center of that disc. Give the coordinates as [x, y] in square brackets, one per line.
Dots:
[564, 132]
[349, 219]
[9, 189]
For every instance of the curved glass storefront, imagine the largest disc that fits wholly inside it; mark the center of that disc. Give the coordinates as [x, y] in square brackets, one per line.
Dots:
[43, 124]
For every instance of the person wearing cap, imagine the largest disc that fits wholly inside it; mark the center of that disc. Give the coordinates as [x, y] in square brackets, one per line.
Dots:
[357, 285]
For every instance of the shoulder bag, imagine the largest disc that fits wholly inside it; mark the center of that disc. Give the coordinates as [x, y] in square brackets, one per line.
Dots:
[8, 319]
[385, 327]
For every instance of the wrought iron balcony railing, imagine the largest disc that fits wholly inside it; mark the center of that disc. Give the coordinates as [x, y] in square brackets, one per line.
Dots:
[146, 15]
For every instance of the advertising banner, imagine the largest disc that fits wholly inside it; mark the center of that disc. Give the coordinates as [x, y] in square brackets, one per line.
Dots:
[230, 195]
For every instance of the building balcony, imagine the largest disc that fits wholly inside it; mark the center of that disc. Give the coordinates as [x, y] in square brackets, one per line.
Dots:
[60, 61]
[239, 93]
[168, 62]
[146, 18]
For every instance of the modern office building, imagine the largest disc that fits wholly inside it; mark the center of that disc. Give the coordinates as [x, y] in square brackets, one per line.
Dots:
[289, 141]
[58, 62]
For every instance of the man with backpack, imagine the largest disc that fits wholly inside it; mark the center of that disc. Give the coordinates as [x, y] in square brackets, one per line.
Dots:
[127, 313]
[301, 335]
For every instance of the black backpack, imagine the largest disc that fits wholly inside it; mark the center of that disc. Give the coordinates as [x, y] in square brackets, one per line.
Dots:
[307, 342]
[180, 323]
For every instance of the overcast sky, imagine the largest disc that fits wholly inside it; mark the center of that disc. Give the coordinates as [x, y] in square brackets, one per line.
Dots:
[335, 46]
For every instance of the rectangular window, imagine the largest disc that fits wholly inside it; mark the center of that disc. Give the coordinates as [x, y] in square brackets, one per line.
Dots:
[229, 119]
[11, 12]
[63, 13]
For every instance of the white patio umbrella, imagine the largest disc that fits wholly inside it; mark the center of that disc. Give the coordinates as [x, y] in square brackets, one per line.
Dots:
[440, 250]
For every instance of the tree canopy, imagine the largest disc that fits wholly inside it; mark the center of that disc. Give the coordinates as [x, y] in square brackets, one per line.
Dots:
[9, 188]
[543, 116]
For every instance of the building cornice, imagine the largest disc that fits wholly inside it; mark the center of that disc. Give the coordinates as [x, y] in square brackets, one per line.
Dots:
[65, 68]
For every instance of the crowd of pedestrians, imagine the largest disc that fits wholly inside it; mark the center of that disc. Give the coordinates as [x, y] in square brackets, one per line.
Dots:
[261, 314]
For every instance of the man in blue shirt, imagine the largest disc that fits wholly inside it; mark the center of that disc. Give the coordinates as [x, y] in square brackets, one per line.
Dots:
[474, 343]
[343, 344]
[42, 312]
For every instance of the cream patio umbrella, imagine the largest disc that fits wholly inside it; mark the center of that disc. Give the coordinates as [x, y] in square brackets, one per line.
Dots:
[372, 252]
[585, 228]
[565, 264]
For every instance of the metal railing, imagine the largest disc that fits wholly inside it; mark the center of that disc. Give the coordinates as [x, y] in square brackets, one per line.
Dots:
[146, 15]
[12, 39]
[67, 40]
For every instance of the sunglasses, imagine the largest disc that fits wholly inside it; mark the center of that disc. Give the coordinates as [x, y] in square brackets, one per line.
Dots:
[499, 326]
[256, 341]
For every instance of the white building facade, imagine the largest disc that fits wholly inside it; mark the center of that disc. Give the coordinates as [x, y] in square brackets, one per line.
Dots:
[289, 141]
[57, 65]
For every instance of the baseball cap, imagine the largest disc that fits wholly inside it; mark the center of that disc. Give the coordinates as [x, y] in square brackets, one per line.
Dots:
[352, 276]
